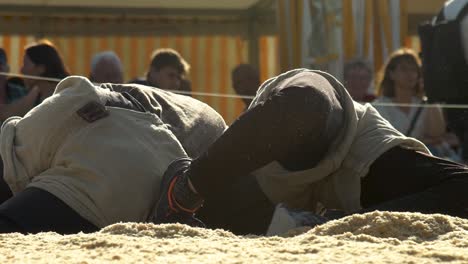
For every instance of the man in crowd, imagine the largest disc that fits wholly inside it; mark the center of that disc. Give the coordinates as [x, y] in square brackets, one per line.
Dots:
[357, 79]
[167, 69]
[245, 81]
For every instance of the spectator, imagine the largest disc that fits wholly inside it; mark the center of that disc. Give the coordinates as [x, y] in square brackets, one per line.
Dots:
[106, 67]
[43, 59]
[401, 83]
[245, 81]
[40, 59]
[167, 69]
[357, 80]
[11, 89]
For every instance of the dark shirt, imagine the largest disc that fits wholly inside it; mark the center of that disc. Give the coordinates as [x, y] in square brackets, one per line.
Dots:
[14, 92]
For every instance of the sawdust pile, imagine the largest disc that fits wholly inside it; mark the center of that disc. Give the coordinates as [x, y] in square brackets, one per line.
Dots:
[377, 237]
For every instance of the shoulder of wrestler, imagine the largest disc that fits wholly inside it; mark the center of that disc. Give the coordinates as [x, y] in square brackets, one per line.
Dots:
[74, 83]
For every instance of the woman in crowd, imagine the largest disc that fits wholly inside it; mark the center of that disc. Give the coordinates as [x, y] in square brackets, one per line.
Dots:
[41, 59]
[401, 84]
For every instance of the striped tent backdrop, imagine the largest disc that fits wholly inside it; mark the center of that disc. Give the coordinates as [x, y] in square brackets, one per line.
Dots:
[368, 29]
[290, 21]
[310, 34]
[211, 58]
[372, 29]
[413, 42]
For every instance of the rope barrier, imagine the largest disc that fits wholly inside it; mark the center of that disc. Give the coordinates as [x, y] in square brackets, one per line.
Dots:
[32, 77]
[39, 78]
[427, 105]
[451, 106]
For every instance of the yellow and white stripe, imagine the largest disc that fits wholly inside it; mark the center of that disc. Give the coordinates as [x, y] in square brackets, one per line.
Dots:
[302, 23]
[382, 28]
[211, 57]
[290, 21]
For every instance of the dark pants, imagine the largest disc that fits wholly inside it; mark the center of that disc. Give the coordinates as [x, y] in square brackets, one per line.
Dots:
[410, 181]
[291, 127]
[34, 210]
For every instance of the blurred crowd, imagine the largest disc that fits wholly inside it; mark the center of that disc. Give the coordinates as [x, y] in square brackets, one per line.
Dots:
[43, 66]
[396, 90]
[400, 98]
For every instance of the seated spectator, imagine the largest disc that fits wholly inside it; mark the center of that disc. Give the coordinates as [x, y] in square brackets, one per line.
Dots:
[167, 69]
[11, 89]
[401, 84]
[41, 59]
[357, 80]
[245, 81]
[106, 67]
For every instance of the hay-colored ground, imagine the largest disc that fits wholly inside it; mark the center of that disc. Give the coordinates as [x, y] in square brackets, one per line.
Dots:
[378, 237]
